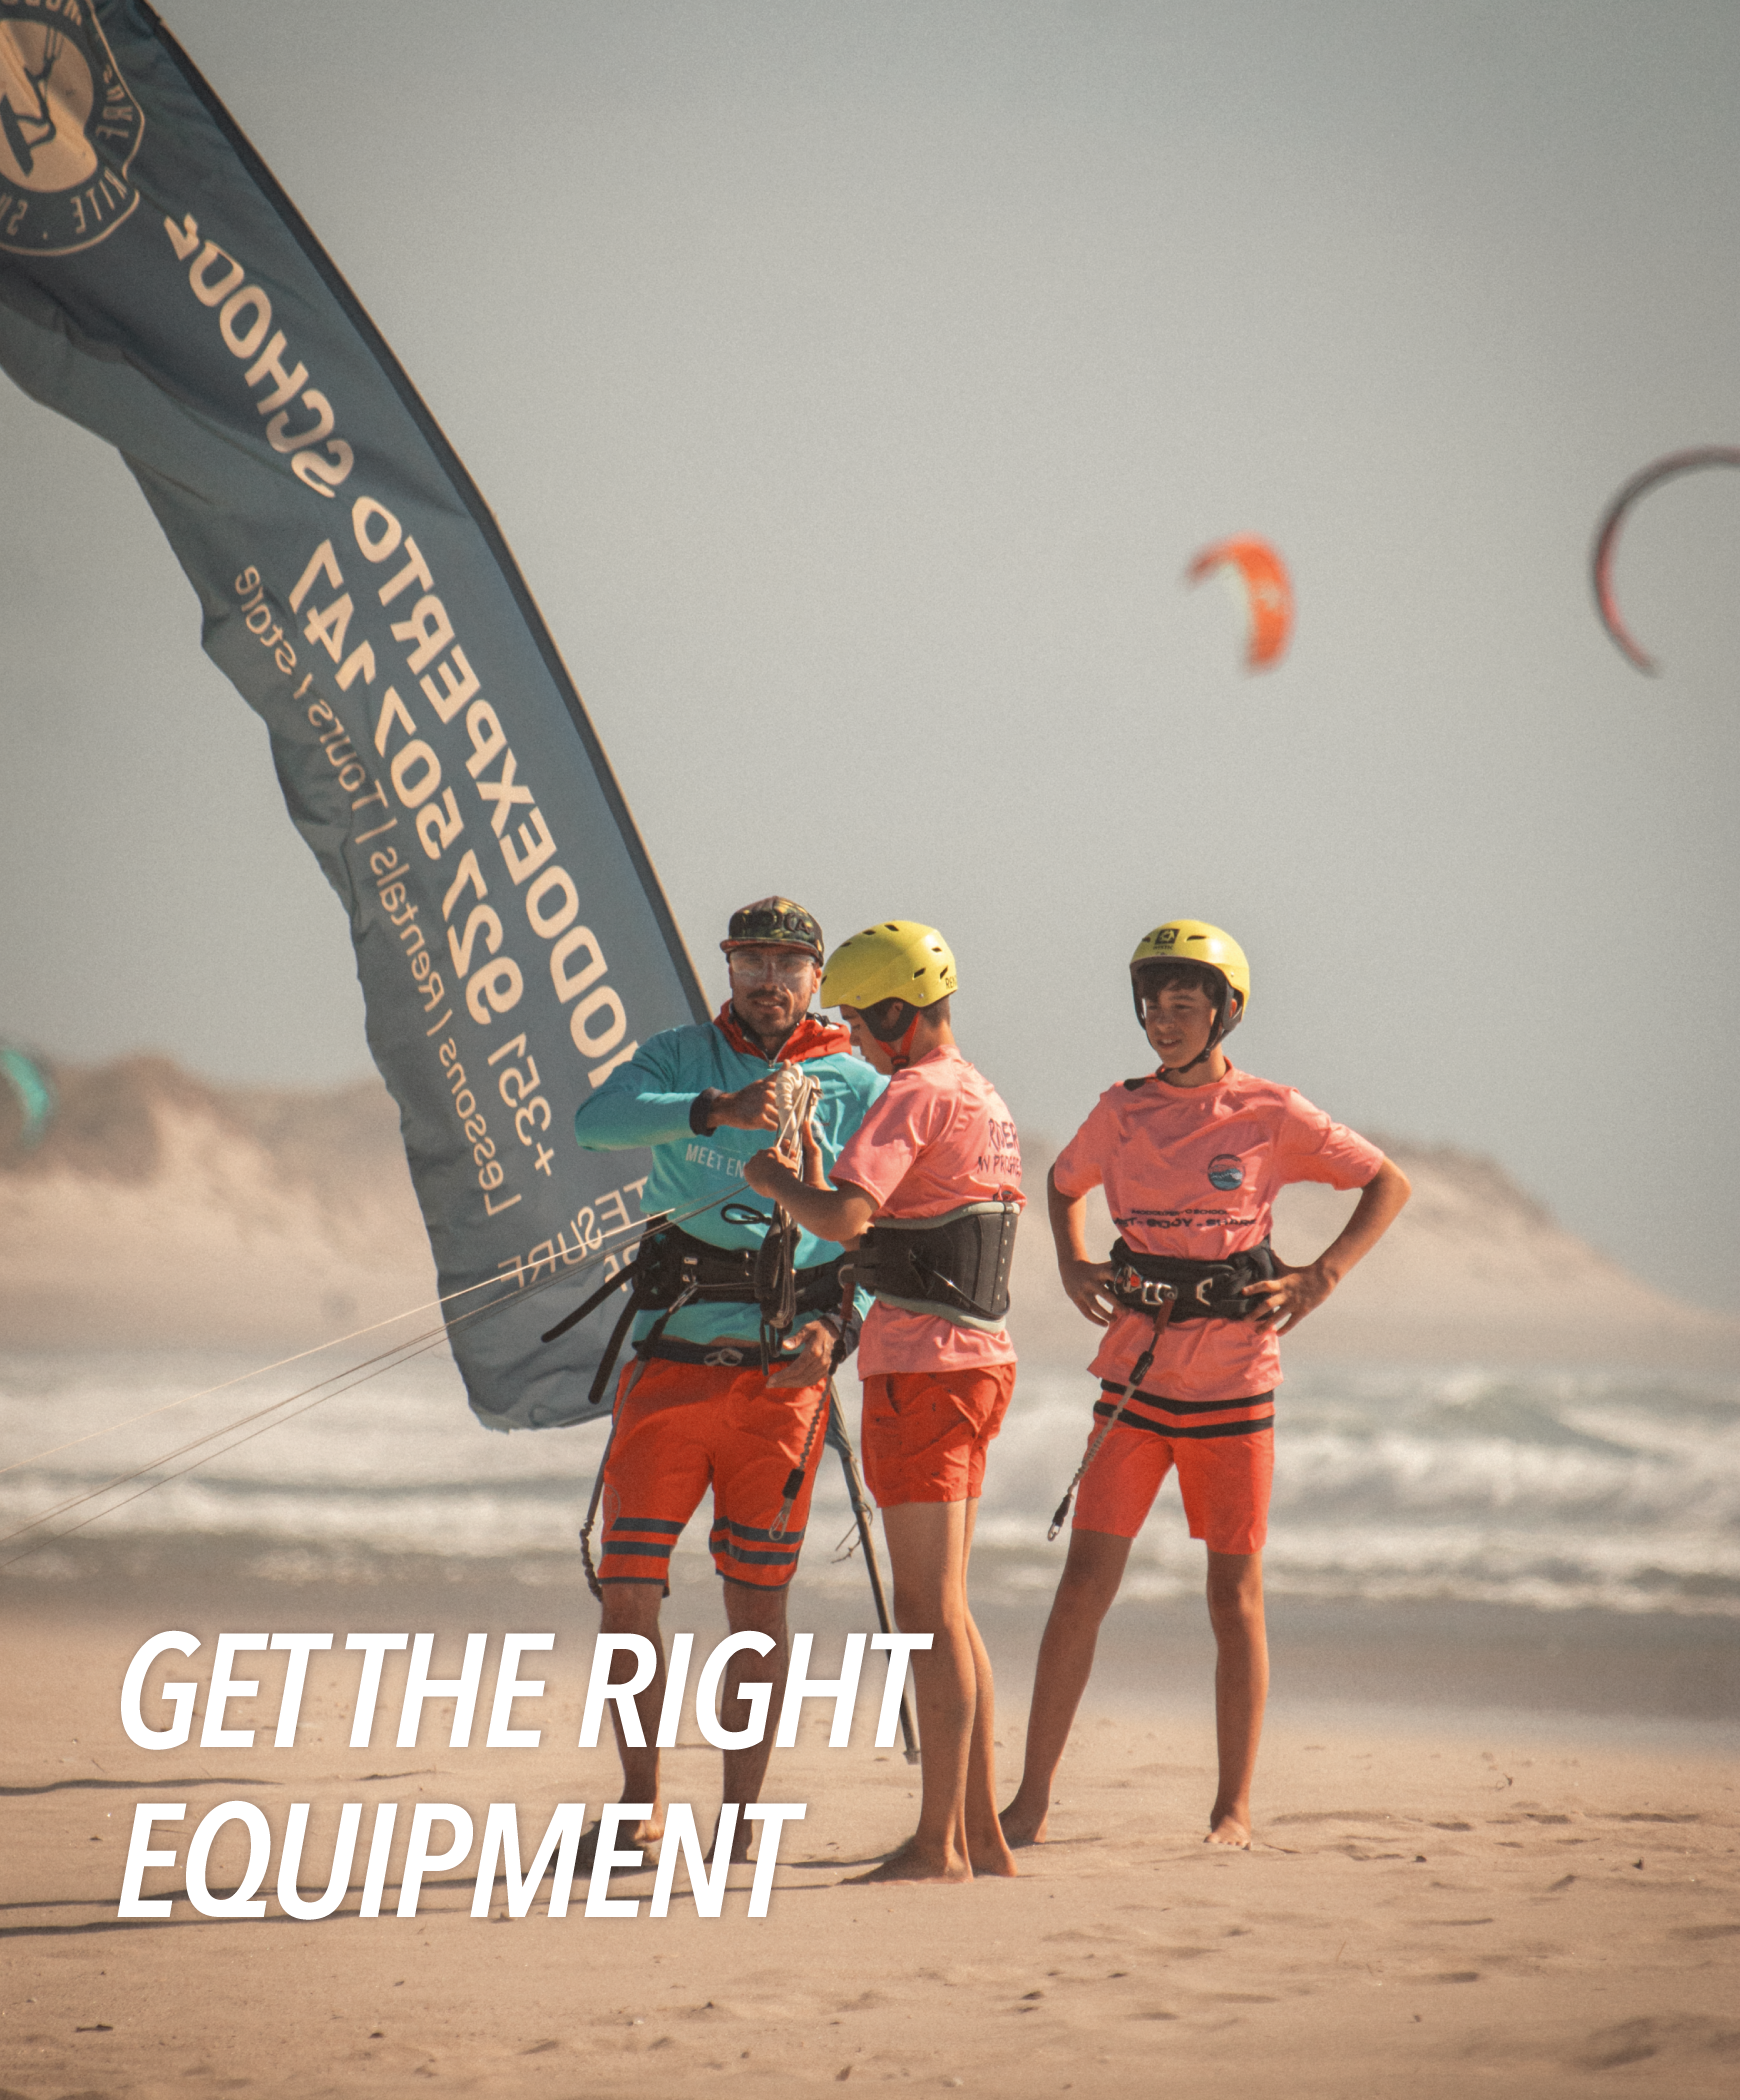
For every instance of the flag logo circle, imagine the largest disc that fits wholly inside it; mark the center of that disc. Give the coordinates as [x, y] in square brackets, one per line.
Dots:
[69, 128]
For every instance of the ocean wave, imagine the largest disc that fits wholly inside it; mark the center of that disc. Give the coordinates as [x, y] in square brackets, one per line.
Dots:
[1545, 1489]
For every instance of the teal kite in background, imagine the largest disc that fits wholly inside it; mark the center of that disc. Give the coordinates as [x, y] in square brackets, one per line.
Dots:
[34, 1088]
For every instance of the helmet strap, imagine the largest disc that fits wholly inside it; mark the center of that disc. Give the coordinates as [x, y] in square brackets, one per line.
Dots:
[890, 1019]
[893, 1023]
[900, 1050]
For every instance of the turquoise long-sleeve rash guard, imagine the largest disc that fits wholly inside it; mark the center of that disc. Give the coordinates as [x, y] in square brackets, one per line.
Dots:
[648, 1101]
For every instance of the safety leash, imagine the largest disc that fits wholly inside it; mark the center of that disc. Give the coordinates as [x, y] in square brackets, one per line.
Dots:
[794, 1480]
[622, 1399]
[592, 1582]
[828, 1404]
[842, 1443]
[1163, 1297]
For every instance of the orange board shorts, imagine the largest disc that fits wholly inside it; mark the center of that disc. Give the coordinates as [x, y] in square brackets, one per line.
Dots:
[926, 1433]
[681, 1428]
[1225, 1454]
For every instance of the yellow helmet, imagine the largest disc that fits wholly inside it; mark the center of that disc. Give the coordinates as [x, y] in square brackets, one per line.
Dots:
[897, 959]
[1195, 941]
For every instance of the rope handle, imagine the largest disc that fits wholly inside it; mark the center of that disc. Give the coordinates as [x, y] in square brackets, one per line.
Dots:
[795, 1096]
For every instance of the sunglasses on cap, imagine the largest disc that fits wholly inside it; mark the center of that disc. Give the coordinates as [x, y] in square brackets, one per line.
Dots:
[762, 922]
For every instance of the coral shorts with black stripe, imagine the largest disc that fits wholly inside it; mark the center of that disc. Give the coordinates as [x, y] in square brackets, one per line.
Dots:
[1225, 1454]
[682, 1428]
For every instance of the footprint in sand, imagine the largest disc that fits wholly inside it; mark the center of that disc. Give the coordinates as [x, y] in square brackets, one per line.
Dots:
[1635, 2041]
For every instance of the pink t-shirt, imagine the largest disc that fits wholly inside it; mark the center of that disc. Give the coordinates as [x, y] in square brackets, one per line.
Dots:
[1194, 1171]
[939, 1137]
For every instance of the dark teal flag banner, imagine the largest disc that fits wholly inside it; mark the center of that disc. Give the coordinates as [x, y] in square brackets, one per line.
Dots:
[511, 938]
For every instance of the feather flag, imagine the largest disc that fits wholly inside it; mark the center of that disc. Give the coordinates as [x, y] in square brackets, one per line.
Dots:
[512, 941]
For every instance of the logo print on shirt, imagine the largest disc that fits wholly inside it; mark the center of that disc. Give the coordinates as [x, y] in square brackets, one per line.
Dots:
[1226, 1172]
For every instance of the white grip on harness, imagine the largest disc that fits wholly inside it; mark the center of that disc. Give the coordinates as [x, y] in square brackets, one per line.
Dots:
[795, 1095]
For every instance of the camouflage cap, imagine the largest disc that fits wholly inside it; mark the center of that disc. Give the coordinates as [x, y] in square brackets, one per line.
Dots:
[773, 922]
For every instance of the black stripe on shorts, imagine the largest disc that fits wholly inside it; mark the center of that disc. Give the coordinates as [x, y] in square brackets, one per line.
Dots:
[750, 1558]
[751, 1531]
[1186, 1429]
[1178, 1407]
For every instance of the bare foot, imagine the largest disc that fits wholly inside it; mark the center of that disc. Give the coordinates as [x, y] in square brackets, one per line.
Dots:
[646, 1832]
[911, 1863]
[1226, 1828]
[988, 1850]
[742, 1837]
[1021, 1827]
[741, 1840]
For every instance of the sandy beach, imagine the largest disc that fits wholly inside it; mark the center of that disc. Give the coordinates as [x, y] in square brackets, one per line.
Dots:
[1496, 1814]
[1442, 1896]
[1042, 469]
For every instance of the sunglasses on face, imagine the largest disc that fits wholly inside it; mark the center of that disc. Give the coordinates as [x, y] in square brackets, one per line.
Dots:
[761, 966]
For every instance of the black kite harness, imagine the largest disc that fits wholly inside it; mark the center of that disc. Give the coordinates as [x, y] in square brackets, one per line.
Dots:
[1171, 1288]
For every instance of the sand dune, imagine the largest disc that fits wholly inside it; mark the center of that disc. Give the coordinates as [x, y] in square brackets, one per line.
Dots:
[158, 1210]
[1475, 1267]
[161, 1210]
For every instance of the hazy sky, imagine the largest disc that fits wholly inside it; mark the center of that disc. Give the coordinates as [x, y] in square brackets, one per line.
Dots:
[854, 382]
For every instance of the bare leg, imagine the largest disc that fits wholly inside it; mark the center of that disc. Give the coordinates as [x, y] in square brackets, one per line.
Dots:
[987, 1848]
[927, 1547]
[633, 1607]
[750, 1609]
[1089, 1582]
[1241, 1687]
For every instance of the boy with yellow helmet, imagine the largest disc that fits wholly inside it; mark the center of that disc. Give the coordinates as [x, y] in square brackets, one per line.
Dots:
[931, 1180]
[1193, 1300]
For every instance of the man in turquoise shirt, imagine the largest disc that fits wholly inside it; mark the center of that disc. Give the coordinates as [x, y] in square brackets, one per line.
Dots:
[695, 1406]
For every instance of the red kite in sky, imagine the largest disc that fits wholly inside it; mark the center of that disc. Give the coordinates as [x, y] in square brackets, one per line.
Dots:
[1266, 586]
